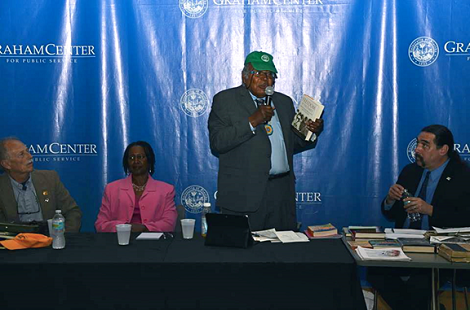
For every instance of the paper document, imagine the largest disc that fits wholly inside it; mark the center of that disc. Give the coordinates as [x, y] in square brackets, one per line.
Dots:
[290, 236]
[391, 254]
[395, 233]
[406, 231]
[265, 235]
[279, 236]
[449, 239]
[150, 236]
[451, 230]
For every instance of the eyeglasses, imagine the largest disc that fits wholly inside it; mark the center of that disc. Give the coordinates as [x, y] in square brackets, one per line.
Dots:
[24, 203]
[138, 157]
[267, 74]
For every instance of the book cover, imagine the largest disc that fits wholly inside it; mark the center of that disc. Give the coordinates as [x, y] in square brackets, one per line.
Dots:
[364, 243]
[308, 233]
[347, 232]
[309, 109]
[322, 230]
[417, 245]
[459, 253]
[379, 244]
[365, 235]
[366, 229]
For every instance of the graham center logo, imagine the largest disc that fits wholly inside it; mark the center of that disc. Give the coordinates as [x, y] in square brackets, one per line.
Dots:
[45, 53]
[410, 150]
[194, 102]
[62, 152]
[197, 8]
[308, 198]
[462, 149]
[193, 8]
[193, 198]
[454, 48]
[423, 51]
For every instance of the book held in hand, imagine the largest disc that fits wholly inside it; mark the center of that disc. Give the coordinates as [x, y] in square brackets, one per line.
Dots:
[309, 109]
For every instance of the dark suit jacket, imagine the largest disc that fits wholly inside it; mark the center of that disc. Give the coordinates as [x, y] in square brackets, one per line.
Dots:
[244, 157]
[52, 195]
[451, 200]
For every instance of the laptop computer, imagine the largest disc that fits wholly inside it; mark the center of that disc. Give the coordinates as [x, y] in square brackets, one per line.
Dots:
[228, 230]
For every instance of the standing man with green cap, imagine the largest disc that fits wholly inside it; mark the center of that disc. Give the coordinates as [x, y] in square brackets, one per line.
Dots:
[255, 144]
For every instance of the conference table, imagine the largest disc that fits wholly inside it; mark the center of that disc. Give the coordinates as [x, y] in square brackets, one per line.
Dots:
[94, 272]
[433, 262]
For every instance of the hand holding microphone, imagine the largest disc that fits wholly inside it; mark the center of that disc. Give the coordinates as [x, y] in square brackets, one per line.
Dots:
[265, 110]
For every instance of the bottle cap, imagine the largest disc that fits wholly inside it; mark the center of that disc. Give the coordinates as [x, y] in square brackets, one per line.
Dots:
[206, 204]
[58, 211]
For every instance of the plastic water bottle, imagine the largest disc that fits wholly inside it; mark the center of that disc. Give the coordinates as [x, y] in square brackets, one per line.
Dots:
[412, 216]
[58, 227]
[206, 209]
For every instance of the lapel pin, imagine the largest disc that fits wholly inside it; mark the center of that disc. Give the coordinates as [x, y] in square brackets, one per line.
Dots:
[46, 200]
[448, 178]
[45, 193]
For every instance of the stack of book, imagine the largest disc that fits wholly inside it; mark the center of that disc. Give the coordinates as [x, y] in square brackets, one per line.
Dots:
[364, 243]
[366, 232]
[417, 245]
[383, 244]
[319, 231]
[459, 253]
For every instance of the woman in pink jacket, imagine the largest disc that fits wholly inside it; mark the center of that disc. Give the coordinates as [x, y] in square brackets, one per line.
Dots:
[138, 199]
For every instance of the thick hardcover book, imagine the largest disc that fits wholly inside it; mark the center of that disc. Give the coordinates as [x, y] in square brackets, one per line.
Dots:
[309, 109]
[366, 229]
[322, 230]
[347, 232]
[380, 244]
[417, 245]
[367, 235]
[359, 242]
[455, 252]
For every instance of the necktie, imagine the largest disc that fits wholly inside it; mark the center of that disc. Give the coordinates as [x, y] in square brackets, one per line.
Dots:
[259, 102]
[24, 185]
[422, 195]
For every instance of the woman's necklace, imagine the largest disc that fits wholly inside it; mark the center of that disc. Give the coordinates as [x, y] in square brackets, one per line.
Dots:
[138, 188]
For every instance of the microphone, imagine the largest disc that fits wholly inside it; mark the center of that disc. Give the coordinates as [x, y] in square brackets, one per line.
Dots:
[269, 91]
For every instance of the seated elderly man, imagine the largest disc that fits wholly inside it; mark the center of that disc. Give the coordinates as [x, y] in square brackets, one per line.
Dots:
[28, 195]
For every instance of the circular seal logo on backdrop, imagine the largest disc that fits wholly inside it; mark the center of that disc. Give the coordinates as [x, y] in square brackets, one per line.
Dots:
[194, 102]
[410, 150]
[193, 8]
[193, 198]
[423, 51]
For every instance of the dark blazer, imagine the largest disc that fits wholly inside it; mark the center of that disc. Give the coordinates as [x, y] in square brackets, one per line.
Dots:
[244, 157]
[52, 195]
[451, 200]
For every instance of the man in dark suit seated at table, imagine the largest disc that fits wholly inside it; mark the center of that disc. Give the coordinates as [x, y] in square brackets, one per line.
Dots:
[439, 182]
[28, 195]
[255, 144]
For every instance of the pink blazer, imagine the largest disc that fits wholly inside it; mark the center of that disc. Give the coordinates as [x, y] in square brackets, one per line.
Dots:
[157, 206]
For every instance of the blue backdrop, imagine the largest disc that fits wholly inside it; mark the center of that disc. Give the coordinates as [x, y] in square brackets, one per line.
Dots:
[81, 79]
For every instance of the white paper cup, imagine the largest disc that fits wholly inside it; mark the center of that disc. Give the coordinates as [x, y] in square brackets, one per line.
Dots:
[49, 225]
[123, 233]
[187, 226]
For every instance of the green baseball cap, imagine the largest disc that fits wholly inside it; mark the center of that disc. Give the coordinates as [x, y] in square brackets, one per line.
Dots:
[261, 61]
